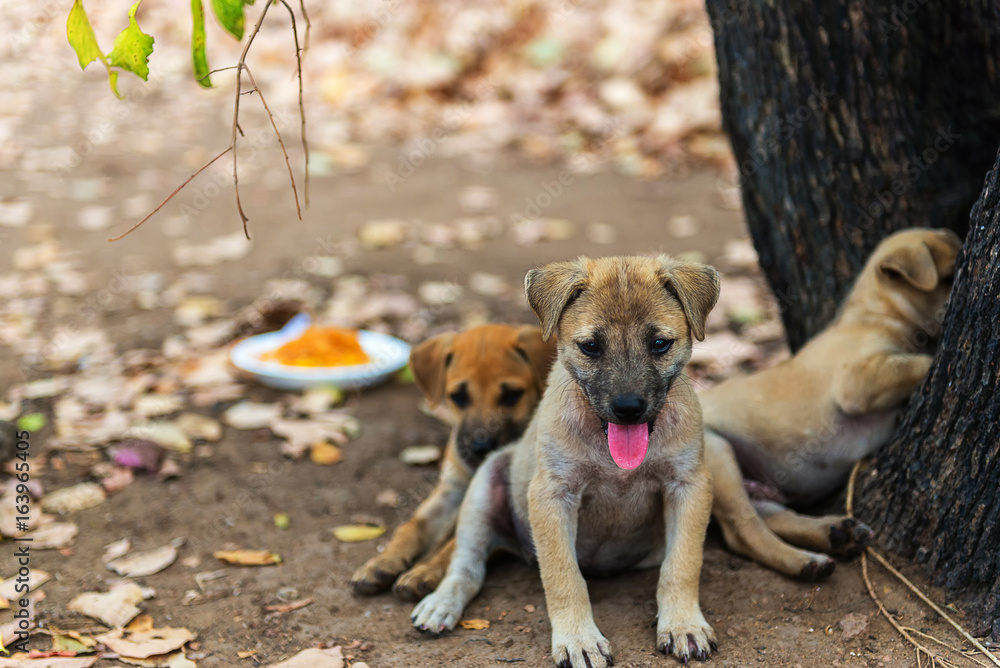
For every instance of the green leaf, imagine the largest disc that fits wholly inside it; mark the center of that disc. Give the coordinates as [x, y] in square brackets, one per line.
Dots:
[198, 56]
[81, 36]
[132, 48]
[32, 422]
[70, 645]
[230, 16]
[405, 375]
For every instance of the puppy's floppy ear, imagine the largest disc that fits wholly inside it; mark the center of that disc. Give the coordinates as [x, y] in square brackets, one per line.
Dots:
[428, 362]
[696, 287]
[944, 245]
[949, 237]
[914, 263]
[550, 289]
[538, 353]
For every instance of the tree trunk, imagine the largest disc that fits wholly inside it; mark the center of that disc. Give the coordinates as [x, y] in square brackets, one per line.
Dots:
[851, 119]
[934, 494]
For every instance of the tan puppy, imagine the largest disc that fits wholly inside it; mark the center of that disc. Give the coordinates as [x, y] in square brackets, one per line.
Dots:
[609, 475]
[798, 428]
[485, 382]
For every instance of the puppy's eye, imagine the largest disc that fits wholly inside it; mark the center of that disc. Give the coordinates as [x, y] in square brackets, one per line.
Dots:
[590, 348]
[460, 397]
[660, 345]
[509, 396]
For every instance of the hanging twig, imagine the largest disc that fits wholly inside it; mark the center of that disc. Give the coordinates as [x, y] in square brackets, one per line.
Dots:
[171, 196]
[298, 66]
[237, 131]
[240, 66]
[218, 69]
[305, 15]
[281, 142]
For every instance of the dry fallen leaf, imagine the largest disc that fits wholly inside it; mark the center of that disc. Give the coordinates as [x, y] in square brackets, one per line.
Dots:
[172, 660]
[54, 535]
[248, 557]
[165, 433]
[388, 498]
[50, 662]
[140, 624]
[36, 578]
[314, 658]
[119, 548]
[115, 608]
[325, 454]
[854, 624]
[72, 499]
[474, 624]
[199, 427]
[355, 533]
[376, 234]
[10, 525]
[141, 564]
[146, 643]
[252, 415]
[302, 434]
[419, 455]
[71, 644]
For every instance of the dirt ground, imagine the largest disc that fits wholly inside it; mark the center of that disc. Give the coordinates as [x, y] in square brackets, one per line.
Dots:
[231, 496]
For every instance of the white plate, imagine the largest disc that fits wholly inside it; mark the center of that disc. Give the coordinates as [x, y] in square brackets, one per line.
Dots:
[388, 355]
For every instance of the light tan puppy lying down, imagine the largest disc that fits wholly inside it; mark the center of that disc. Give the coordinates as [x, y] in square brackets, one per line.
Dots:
[795, 430]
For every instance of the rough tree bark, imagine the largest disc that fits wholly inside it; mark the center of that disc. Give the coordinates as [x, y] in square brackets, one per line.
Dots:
[934, 494]
[851, 119]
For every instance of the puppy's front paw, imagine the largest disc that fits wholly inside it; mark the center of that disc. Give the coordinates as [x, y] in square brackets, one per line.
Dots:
[377, 574]
[580, 648]
[686, 637]
[437, 613]
[819, 567]
[849, 538]
[418, 582]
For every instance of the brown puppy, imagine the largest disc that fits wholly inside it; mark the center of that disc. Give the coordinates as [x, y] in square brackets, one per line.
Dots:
[609, 474]
[798, 428]
[485, 382]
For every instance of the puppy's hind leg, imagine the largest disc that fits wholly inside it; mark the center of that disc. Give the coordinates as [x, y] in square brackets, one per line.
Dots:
[480, 533]
[429, 527]
[743, 529]
[833, 534]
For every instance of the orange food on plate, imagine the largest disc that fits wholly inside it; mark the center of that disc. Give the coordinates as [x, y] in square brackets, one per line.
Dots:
[321, 346]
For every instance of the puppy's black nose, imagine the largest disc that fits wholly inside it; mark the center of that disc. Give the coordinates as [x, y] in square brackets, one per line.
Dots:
[481, 444]
[628, 407]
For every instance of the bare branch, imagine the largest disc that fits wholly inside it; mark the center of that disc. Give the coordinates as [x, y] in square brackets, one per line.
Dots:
[240, 66]
[237, 131]
[211, 72]
[171, 196]
[302, 109]
[305, 15]
[281, 142]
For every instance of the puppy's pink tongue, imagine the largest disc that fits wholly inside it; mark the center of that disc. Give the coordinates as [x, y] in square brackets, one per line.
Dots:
[628, 444]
